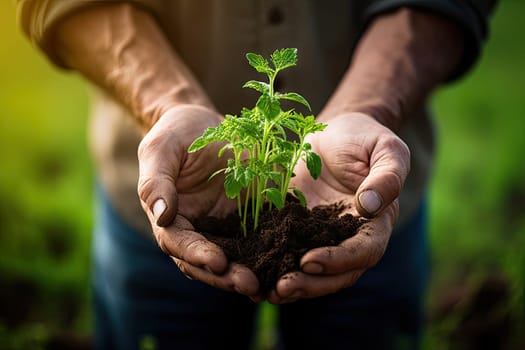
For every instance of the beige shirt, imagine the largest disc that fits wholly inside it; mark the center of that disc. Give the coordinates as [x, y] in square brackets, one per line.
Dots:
[212, 37]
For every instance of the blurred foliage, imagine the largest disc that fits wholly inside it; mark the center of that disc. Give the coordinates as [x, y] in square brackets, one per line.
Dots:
[46, 206]
[477, 199]
[478, 193]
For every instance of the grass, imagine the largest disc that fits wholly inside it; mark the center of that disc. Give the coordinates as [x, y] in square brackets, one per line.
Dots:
[477, 192]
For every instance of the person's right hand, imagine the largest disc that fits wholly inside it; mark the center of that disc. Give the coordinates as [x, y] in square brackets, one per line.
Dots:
[174, 188]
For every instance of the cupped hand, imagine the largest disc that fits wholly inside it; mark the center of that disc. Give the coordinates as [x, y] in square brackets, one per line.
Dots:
[174, 188]
[364, 165]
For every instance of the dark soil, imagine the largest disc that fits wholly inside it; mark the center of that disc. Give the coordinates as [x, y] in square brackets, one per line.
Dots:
[281, 239]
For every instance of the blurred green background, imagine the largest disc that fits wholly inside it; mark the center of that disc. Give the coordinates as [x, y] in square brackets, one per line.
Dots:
[477, 199]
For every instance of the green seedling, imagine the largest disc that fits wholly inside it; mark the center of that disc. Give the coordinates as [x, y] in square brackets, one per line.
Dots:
[264, 157]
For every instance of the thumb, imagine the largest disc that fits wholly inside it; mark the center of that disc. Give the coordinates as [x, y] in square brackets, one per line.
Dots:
[158, 172]
[389, 167]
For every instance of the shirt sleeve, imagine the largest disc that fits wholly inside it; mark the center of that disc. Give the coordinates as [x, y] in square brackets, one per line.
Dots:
[471, 15]
[38, 18]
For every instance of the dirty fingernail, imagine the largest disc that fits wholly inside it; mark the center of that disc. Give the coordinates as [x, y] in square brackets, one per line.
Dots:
[313, 268]
[370, 201]
[158, 208]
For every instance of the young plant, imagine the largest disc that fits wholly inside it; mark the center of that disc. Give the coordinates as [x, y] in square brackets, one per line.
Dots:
[263, 156]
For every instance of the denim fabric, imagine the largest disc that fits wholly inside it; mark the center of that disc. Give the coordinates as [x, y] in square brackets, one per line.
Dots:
[142, 300]
[383, 310]
[141, 297]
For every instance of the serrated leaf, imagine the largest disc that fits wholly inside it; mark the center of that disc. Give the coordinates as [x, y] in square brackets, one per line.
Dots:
[276, 177]
[243, 175]
[313, 163]
[249, 127]
[299, 195]
[268, 106]
[274, 196]
[232, 186]
[258, 62]
[262, 87]
[312, 126]
[247, 113]
[292, 96]
[284, 58]
[208, 136]
[198, 144]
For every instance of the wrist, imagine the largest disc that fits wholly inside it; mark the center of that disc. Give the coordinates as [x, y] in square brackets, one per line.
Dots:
[174, 98]
[130, 58]
[398, 62]
[384, 112]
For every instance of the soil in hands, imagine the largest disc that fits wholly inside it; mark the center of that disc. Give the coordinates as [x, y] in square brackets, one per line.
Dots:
[281, 239]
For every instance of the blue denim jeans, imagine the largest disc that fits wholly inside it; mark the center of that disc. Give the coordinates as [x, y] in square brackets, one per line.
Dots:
[142, 301]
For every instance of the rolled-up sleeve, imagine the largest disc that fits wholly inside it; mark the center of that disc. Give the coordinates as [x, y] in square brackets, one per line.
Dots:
[38, 18]
[471, 15]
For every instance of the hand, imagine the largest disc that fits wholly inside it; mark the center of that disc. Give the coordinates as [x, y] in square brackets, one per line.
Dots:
[174, 188]
[365, 165]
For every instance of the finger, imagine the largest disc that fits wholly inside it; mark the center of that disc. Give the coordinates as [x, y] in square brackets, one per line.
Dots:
[362, 251]
[389, 167]
[158, 171]
[237, 278]
[298, 285]
[180, 241]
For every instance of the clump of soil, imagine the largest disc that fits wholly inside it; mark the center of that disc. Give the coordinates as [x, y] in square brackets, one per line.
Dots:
[281, 239]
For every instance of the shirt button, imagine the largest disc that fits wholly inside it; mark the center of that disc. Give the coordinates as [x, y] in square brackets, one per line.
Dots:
[275, 16]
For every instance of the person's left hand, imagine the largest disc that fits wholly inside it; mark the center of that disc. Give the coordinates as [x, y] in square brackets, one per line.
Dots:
[365, 165]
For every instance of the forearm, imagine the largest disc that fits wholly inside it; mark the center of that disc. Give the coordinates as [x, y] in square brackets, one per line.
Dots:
[123, 50]
[399, 60]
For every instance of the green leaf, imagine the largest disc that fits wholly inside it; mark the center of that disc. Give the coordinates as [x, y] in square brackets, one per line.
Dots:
[232, 186]
[300, 196]
[292, 96]
[249, 127]
[243, 175]
[260, 64]
[210, 135]
[313, 163]
[274, 196]
[276, 177]
[284, 58]
[312, 126]
[268, 106]
[247, 113]
[262, 87]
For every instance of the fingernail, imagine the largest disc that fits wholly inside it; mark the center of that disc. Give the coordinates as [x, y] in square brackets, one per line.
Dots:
[313, 268]
[370, 201]
[158, 208]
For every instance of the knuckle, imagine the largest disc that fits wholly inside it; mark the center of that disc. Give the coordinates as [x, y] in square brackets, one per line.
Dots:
[351, 279]
[201, 248]
[162, 244]
[145, 187]
[183, 268]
